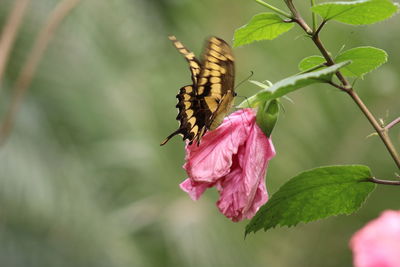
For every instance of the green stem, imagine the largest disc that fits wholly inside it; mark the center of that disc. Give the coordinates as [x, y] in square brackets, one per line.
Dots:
[314, 17]
[275, 9]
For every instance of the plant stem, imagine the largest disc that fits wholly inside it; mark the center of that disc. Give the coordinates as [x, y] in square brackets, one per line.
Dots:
[297, 17]
[346, 86]
[387, 182]
[316, 32]
[393, 123]
[382, 132]
[314, 16]
[317, 41]
[275, 9]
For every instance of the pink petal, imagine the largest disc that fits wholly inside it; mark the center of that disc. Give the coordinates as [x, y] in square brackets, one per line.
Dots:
[254, 162]
[194, 189]
[243, 189]
[232, 196]
[233, 158]
[213, 158]
[378, 243]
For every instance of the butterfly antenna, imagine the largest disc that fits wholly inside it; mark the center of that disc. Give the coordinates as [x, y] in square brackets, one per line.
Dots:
[245, 80]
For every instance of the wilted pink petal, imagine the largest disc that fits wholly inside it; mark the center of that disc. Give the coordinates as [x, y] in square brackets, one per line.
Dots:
[233, 158]
[378, 243]
[213, 158]
[244, 188]
[194, 189]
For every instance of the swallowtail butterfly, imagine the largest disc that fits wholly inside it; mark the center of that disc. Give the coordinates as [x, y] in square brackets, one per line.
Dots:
[204, 104]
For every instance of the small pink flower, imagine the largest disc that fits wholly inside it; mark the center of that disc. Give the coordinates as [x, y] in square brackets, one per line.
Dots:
[234, 159]
[378, 243]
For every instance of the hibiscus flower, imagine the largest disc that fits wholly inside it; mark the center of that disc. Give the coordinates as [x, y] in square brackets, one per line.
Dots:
[234, 159]
[378, 242]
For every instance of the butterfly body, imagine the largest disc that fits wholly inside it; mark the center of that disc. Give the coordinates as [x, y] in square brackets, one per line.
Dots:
[204, 104]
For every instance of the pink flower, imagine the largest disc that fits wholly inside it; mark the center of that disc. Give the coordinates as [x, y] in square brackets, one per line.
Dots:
[234, 159]
[378, 243]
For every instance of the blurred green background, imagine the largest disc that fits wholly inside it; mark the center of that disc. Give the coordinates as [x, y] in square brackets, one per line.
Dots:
[84, 182]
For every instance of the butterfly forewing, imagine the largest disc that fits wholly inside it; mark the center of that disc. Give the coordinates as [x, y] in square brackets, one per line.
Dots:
[203, 105]
[194, 64]
[216, 80]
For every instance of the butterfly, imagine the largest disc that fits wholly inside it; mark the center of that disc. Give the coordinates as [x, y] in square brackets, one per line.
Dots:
[203, 105]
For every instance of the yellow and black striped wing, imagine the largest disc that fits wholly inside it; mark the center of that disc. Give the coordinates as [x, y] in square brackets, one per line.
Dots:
[194, 64]
[191, 115]
[216, 80]
[203, 105]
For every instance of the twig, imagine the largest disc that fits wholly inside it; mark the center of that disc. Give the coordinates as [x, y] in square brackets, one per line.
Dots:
[381, 131]
[28, 70]
[10, 31]
[317, 41]
[338, 86]
[393, 123]
[320, 27]
[297, 17]
[386, 182]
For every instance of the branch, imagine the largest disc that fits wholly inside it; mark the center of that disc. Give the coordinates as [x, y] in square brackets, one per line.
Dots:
[10, 31]
[29, 69]
[320, 27]
[346, 86]
[393, 123]
[317, 41]
[382, 132]
[338, 86]
[297, 17]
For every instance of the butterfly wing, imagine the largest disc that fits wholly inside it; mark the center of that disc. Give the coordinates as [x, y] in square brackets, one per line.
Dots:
[216, 80]
[190, 112]
[204, 104]
[194, 64]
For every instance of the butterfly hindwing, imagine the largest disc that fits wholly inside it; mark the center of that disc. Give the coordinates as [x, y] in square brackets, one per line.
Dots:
[190, 115]
[203, 105]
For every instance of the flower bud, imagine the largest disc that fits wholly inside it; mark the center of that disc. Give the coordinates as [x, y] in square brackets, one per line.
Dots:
[267, 115]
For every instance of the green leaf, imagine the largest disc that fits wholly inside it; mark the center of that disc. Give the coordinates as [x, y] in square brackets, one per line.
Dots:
[315, 194]
[364, 59]
[291, 84]
[264, 26]
[310, 62]
[359, 12]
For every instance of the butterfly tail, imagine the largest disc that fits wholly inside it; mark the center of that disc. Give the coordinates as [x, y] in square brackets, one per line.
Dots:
[169, 137]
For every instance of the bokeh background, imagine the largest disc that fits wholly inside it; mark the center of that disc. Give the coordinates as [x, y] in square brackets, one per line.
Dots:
[84, 182]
